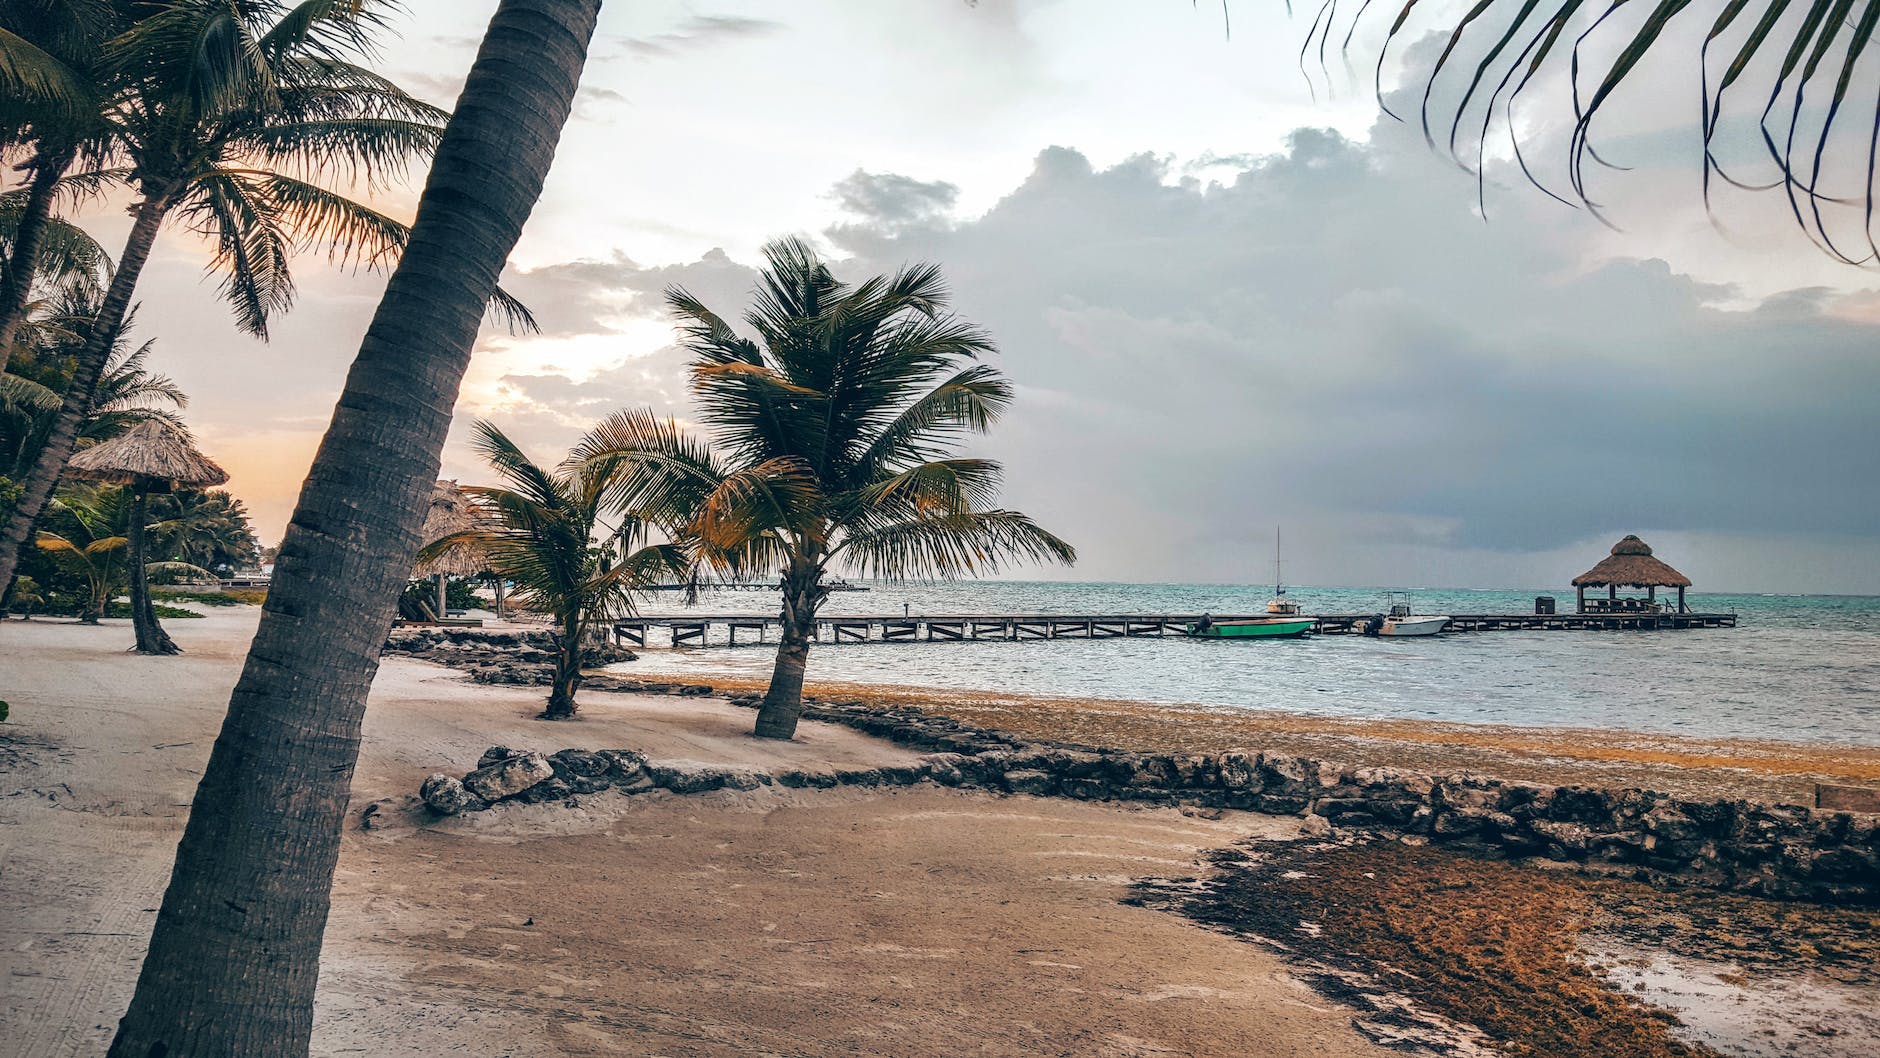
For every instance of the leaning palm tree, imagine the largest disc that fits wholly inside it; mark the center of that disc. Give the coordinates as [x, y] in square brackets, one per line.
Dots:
[225, 115]
[831, 444]
[235, 954]
[544, 530]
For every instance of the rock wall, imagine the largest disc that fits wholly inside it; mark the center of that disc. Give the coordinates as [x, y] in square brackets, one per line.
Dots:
[1786, 851]
[495, 655]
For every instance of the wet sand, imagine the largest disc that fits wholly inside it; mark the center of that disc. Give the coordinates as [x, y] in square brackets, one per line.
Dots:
[1780, 772]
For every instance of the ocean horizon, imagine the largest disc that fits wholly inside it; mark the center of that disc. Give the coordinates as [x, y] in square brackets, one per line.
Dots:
[1800, 667]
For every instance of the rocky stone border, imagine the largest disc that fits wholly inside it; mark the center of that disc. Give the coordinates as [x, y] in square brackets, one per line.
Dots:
[1786, 851]
[522, 656]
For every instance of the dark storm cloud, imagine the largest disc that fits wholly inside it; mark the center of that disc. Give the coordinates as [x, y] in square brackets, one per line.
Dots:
[889, 202]
[1334, 332]
[1334, 339]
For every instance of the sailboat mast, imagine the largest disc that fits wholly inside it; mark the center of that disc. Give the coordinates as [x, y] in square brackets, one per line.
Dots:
[1278, 581]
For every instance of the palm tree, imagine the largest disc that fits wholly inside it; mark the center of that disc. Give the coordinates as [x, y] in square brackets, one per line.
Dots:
[544, 531]
[225, 114]
[51, 63]
[128, 391]
[235, 954]
[1782, 77]
[833, 445]
[91, 544]
[205, 528]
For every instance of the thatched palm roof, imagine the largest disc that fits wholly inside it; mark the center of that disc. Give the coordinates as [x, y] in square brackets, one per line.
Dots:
[153, 450]
[1631, 565]
[451, 512]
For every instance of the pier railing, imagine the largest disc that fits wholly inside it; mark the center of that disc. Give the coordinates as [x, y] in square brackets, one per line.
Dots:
[695, 629]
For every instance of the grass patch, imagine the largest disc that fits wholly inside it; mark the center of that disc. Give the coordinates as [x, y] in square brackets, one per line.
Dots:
[123, 609]
[232, 597]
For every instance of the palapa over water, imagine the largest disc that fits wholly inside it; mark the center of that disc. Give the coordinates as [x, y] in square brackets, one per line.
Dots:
[155, 451]
[1630, 565]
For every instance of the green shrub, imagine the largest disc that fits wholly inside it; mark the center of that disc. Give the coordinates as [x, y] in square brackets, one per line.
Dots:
[237, 598]
[123, 609]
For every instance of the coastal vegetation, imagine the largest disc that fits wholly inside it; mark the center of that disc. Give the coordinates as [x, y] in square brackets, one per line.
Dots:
[836, 431]
[829, 443]
[226, 117]
[544, 530]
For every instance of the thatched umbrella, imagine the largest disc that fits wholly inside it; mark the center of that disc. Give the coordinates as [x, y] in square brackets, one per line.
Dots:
[453, 512]
[153, 456]
[1631, 565]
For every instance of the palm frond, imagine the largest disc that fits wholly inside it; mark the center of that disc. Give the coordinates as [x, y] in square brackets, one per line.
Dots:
[775, 495]
[29, 72]
[25, 395]
[252, 249]
[968, 403]
[650, 466]
[1797, 62]
[952, 545]
[940, 487]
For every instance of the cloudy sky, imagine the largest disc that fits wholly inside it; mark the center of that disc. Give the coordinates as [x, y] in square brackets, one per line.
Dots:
[1231, 297]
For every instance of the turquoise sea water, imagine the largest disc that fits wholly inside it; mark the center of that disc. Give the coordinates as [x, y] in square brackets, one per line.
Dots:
[1795, 667]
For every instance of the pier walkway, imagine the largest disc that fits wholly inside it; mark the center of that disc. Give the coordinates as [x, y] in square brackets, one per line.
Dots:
[694, 629]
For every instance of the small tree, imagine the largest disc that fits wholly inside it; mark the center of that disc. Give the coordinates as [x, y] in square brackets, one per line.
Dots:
[832, 443]
[89, 543]
[544, 532]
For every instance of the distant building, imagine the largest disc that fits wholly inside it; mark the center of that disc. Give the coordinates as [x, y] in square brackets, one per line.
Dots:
[1630, 565]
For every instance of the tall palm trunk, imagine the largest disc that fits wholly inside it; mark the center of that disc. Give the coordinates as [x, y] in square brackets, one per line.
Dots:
[783, 700]
[235, 955]
[567, 679]
[82, 389]
[151, 639]
[17, 284]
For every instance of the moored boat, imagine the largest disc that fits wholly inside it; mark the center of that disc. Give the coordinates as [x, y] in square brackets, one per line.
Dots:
[1413, 625]
[1250, 628]
[1283, 621]
[1403, 620]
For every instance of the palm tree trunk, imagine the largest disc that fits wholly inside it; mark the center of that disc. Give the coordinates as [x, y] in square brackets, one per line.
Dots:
[783, 699]
[567, 680]
[235, 955]
[151, 639]
[79, 393]
[17, 285]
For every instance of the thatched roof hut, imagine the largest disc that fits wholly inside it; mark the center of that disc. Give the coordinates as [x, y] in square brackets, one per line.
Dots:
[154, 453]
[1630, 565]
[451, 512]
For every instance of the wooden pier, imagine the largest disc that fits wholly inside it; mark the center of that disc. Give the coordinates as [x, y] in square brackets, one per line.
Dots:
[751, 629]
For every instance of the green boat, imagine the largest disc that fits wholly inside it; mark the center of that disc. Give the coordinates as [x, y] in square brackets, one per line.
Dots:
[1283, 619]
[1254, 628]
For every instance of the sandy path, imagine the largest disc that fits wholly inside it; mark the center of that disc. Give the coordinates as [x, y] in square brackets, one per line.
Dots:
[903, 922]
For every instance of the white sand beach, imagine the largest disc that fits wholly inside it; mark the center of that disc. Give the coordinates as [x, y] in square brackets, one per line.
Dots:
[884, 922]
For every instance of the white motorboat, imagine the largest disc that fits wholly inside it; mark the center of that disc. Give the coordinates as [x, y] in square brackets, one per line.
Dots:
[1413, 625]
[1403, 620]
